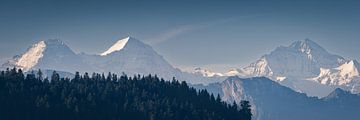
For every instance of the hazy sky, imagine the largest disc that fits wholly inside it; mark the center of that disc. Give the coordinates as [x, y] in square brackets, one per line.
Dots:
[197, 32]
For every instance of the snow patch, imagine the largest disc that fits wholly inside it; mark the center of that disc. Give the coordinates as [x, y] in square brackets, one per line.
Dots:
[280, 78]
[116, 47]
[32, 56]
[232, 72]
[206, 73]
[259, 68]
[342, 75]
[349, 69]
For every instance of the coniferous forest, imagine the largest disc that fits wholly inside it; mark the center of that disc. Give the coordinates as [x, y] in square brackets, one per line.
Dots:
[109, 97]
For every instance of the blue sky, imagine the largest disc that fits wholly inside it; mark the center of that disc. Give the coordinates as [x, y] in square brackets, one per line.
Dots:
[186, 33]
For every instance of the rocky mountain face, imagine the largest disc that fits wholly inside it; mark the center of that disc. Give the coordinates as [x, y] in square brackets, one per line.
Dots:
[272, 101]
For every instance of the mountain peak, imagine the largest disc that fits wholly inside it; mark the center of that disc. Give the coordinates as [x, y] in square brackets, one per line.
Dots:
[337, 93]
[349, 69]
[51, 50]
[30, 58]
[339, 90]
[308, 40]
[54, 42]
[120, 44]
[356, 63]
[307, 46]
[128, 43]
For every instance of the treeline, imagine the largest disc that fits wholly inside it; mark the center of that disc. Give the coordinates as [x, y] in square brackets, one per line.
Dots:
[110, 97]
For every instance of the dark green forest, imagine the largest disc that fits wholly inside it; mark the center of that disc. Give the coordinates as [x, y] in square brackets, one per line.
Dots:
[109, 97]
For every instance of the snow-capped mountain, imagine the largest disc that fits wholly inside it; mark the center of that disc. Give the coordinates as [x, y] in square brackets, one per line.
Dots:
[258, 68]
[300, 59]
[206, 72]
[341, 75]
[131, 56]
[299, 64]
[346, 76]
[128, 55]
[51, 54]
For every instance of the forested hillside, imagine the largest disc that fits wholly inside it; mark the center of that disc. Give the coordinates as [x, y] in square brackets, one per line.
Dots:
[99, 96]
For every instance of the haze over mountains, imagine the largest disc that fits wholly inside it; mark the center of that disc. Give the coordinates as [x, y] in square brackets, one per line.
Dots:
[294, 73]
[272, 101]
[127, 55]
[305, 67]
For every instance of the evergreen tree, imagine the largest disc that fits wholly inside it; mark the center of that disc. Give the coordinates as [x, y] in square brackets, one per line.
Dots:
[245, 110]
[115, 98]
[40, 75]
[55, 76]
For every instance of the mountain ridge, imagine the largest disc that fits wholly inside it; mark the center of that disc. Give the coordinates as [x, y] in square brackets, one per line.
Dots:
[303, 61]
[128, 55]
[306, 67]
[273, 101]
[55, 51]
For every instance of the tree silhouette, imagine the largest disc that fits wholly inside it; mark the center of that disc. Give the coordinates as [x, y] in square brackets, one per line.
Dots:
[112, 97]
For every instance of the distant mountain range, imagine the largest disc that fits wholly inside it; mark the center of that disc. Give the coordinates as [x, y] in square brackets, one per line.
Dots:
[272, 101]
[305, 67]
[127, 55]
[275, 84]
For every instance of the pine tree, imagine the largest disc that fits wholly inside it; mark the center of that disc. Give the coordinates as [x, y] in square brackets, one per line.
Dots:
[146, 97]
[246, 110]
[39, 75]
[55, 76]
